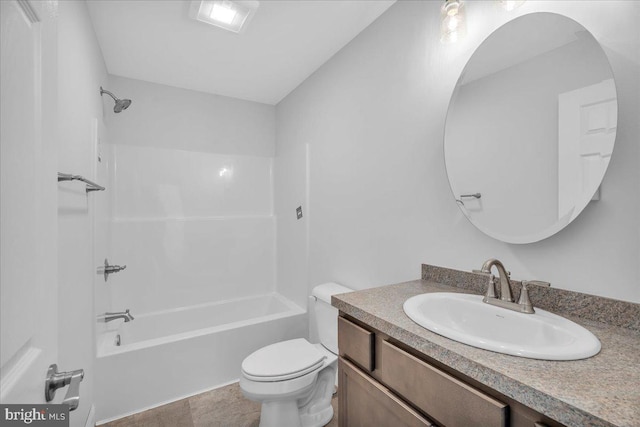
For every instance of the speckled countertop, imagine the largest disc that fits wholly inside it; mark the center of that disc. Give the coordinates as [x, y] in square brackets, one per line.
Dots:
[601, 391]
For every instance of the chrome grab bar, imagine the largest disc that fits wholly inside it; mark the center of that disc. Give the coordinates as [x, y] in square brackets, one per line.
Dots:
[91, 186]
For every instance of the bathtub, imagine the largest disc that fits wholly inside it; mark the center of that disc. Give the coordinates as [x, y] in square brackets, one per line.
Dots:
[166, 356]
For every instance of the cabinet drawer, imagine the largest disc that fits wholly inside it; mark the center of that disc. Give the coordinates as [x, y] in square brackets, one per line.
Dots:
[356, 343]
[444, 398]
[366, 403]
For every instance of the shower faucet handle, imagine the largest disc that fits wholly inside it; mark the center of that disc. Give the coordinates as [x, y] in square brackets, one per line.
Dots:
[109, 269]
[524, 301]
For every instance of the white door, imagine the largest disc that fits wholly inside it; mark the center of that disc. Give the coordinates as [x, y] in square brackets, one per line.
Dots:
[587, 119]
[28, 199]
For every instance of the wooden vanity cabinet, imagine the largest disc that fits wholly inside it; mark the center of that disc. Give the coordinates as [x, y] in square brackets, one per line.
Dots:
[365, 402]
[357, 342]
[382, 384]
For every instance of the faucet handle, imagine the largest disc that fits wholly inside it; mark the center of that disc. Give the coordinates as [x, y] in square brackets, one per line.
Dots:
[491, 288]
[526, 283]
[523, 300]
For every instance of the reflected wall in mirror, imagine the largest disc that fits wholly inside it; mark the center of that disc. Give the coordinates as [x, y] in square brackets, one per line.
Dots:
[531, 127]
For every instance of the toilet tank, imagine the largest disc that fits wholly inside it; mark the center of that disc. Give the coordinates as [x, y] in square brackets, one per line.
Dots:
[325, 315]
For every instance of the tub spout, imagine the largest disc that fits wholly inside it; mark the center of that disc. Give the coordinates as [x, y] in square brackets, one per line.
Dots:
[108, 317]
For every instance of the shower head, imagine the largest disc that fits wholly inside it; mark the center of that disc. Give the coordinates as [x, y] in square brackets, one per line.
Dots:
[121, 104]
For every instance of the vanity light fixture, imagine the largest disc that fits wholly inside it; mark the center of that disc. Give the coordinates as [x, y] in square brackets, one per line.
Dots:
[452, 24]
[511, 4]
[232, 15]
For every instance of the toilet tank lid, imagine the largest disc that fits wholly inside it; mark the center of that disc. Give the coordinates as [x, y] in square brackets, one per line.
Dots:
[323, 292]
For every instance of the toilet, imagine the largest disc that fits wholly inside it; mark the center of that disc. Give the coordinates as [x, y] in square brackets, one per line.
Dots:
[295, 379]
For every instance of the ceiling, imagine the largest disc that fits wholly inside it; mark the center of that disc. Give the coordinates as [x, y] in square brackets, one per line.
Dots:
[285, 42]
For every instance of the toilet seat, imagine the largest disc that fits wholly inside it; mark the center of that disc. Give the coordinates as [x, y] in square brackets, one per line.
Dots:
[283, 361]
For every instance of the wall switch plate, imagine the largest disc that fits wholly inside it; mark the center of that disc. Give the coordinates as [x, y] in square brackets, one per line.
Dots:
[299, 212]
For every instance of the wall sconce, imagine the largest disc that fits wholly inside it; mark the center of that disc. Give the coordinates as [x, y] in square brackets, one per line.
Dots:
[510, 4]
[453, 25]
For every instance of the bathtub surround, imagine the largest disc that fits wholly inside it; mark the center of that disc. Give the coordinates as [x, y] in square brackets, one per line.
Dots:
[192, 196]
[192, 227]
[192, 217]
[372, 120]
[191, 178]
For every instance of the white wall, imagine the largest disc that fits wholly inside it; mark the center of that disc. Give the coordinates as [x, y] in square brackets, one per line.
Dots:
[81, 71]
[380, 205]
[180, 119]
[192, 198]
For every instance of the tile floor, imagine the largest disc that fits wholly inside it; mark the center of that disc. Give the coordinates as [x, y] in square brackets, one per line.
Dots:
[222, 407]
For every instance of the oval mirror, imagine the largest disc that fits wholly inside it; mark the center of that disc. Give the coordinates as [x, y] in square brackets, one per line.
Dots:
[530, 128]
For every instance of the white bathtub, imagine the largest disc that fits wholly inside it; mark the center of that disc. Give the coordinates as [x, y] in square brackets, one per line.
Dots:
[166, 356]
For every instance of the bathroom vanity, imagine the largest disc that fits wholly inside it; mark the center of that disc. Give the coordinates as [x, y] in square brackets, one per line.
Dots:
[393, 372]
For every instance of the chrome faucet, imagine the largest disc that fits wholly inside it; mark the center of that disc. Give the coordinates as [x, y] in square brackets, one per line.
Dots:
[503, 275]
[523, 305]
[108, 317]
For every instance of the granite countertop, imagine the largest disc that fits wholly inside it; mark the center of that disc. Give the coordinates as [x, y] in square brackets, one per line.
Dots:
[601, 391]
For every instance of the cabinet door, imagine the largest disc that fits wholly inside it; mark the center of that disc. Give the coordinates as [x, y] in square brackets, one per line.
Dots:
[363, 402]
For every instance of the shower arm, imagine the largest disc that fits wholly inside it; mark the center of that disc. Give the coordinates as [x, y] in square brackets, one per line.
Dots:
[102, 91]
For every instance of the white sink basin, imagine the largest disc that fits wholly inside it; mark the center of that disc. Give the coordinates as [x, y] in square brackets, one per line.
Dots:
[465, 318]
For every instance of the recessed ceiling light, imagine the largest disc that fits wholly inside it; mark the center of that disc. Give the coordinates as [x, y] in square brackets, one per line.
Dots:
[223, 13]
[232, 15]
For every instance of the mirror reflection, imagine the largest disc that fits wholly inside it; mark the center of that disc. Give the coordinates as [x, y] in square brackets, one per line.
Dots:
[530, 128]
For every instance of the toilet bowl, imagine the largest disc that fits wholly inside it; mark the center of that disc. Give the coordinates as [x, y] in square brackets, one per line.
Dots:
[294, 380]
